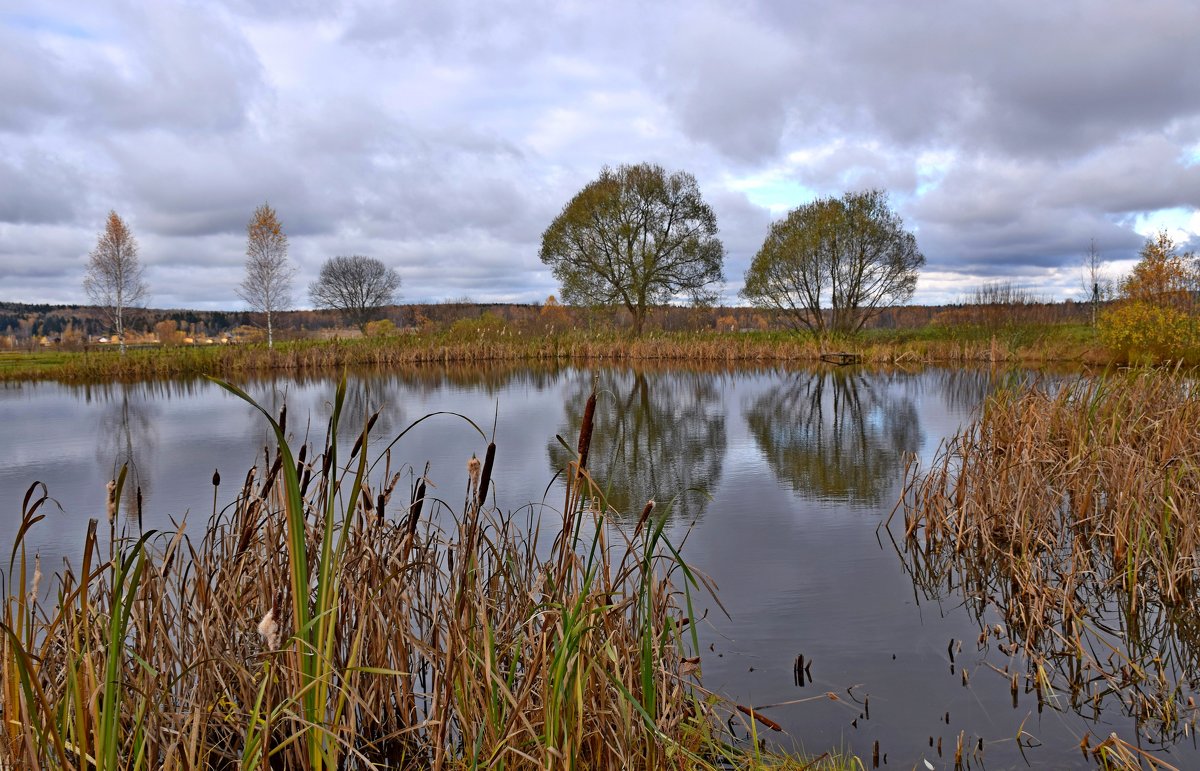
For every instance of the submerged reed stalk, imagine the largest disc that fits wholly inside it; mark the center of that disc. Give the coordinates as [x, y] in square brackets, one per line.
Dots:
[1073, 508]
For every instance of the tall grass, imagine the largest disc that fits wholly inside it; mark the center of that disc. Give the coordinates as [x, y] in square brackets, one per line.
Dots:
[325, 619]
[943, 346]
[1072, 509]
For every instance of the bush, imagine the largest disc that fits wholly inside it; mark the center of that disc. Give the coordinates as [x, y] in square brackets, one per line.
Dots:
[1141, 331]
[381, 328]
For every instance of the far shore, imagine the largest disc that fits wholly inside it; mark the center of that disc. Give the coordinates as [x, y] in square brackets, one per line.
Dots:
[1026, 345]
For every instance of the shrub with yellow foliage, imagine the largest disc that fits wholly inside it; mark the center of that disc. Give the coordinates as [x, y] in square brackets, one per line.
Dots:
[1154, 320]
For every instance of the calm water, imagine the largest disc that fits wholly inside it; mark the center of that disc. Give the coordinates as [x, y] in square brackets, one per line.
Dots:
[778, 479]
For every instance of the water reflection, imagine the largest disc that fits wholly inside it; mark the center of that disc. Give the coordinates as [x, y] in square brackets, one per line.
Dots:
[1100, 652]
[127, 437]
[658, 435]
[837, 434]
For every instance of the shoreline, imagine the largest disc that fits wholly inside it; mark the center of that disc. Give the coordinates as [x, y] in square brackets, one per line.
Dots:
[1053, 345]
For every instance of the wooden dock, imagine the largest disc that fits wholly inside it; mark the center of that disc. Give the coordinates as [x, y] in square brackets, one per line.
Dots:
[841, 358]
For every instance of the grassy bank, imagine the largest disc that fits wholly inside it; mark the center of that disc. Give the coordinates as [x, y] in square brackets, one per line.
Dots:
[336, 615]
[1030, 344]
[1073, 510]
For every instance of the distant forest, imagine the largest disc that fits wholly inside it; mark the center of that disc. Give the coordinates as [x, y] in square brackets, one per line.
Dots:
[20, 322]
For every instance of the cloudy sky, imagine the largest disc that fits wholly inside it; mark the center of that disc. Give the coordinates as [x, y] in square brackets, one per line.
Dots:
[443, 137]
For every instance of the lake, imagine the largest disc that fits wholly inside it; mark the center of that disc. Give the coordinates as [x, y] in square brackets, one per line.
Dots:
[776, 481]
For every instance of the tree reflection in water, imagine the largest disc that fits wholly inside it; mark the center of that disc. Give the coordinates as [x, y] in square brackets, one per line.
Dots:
[657, 435]
[127, 438]
[837, 434]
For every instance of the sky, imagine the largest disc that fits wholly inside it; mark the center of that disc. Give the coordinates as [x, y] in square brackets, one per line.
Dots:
[444, 137]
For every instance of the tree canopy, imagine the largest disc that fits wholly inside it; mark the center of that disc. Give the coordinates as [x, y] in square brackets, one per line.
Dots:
[1162, 275]
[851, 255]
[357, 286]
[635, 237]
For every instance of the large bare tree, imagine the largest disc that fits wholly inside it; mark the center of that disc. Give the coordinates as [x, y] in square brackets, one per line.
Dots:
[267, 287]
[357, 286]
[849, 255]
[636, 237]
[114, 279]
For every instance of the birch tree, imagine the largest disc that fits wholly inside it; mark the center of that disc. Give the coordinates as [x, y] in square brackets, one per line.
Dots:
[267, 287]
[114, 279]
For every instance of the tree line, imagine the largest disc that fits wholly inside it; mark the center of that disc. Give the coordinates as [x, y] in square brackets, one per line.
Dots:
[635, 238]
[355, 286]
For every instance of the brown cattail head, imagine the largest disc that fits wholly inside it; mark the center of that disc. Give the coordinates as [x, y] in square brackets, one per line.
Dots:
[486, 478]
[645, 516]
[585, 430]
[216, 478]
[414, 508]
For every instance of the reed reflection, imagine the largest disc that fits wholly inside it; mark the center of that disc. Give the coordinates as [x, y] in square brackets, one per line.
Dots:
[837, 434]
[658, 435]
[1063, 518]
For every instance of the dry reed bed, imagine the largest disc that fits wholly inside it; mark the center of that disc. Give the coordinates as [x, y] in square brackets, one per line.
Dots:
[301, 356]
[1073, 510]
[327, 619]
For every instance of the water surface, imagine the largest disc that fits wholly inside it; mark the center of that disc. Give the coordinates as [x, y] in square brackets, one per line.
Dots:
[776, 479]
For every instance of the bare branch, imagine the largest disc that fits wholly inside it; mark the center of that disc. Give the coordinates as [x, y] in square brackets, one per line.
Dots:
[357, 286]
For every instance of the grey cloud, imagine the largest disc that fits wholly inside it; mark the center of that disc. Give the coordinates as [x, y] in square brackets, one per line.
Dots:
[729, 78]
[1026, 78]
[743, 226]
[37, 189]
[27, 86]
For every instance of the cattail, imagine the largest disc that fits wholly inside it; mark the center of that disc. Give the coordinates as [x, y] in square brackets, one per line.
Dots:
[216, 478]
[585, 430]
[358, 443]
[485, 478]
[37, 578]
[473, 468]
[414, 508]
[645, 515]
[269, 629]
[112, 499]
[760, 717]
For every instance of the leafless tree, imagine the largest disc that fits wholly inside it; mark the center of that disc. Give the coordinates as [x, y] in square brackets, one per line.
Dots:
[114, 276]
[356, 286]
[267, 287]
[1097, 286]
